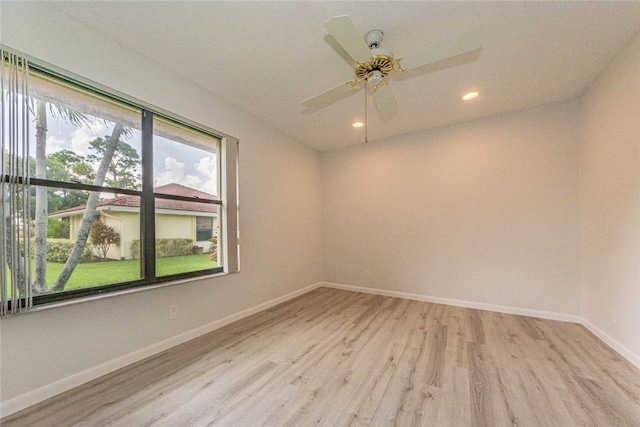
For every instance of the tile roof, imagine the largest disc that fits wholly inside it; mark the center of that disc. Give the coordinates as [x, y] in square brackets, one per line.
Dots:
[164, 204]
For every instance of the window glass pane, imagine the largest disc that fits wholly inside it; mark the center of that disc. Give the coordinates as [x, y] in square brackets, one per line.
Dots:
[186, 157]
[204, 228]
[186, 236]
[72, 130]
[109, 255]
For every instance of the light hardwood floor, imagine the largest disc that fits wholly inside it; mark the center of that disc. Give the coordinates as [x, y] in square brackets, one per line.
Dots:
[333, 357]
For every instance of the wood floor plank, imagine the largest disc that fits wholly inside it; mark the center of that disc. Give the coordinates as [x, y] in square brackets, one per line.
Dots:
[339, 358]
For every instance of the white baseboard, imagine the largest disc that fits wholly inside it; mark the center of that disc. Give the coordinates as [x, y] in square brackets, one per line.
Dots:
[614, 344]
[563, 317]
[38, 395]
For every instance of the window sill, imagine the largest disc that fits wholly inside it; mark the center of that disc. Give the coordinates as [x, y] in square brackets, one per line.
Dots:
[118, 293]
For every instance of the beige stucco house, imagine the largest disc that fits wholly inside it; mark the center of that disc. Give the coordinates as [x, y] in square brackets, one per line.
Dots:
[174, 218]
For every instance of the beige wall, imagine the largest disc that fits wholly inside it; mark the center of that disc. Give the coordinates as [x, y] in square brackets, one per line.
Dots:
[484, 212]
[610, 201]
[129, 231]
[174, 226]
[127, 224]
[74, 226]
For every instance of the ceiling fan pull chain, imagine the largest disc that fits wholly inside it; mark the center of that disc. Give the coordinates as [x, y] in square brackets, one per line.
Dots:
[366, 118]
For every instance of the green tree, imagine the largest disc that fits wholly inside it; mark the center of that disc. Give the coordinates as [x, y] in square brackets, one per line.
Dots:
[76, 167]
[121, 171]
[103, 236]
[58, 228]
[67, 166]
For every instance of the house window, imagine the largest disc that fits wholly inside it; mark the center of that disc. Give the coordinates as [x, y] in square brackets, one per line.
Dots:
[88, 155]
[204, 228]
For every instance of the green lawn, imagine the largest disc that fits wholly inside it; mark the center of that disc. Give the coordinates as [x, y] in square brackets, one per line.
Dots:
[103, 273]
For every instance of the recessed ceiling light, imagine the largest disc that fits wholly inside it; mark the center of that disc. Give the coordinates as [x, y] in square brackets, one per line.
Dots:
[470, 95]
[358, 124]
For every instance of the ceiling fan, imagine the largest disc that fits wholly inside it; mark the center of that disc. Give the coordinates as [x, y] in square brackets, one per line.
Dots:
[374, 64]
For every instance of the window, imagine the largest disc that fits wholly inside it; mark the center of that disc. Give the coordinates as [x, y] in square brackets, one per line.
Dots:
[106, 194]
[204, 228]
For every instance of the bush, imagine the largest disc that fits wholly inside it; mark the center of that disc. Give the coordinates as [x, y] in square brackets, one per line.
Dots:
[58, 250]
[175, 247]
[135, 249]
[58, 228]
[165, 248]
[103, 236]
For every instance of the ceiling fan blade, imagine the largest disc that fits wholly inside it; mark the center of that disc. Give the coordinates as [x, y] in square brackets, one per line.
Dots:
[345, 32]
[386, 101]
[464, 43]
[329, 96]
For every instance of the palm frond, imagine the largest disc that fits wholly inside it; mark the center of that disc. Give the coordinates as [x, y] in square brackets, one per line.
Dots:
[69, 115]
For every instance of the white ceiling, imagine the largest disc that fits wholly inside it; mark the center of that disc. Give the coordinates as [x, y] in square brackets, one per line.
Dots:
[268, 57]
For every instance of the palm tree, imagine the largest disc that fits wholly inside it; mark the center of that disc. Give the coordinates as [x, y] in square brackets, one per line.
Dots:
[89, 212]
[42, 201]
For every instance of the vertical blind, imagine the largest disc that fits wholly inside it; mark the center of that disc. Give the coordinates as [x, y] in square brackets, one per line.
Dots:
[15, 227]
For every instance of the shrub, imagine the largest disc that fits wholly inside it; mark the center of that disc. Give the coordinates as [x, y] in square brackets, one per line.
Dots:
[58, 228]
[135, 249]
[103, 236]
[179, 247]
[58, 250]
[213, 247]
[166, 247]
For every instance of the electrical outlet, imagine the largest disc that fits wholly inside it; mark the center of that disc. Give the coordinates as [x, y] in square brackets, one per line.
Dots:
[367, 275]
[615, 315]
[173, 312]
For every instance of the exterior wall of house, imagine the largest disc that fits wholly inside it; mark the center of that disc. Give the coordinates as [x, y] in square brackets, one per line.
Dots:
[127, 224]
[74, 226]
[175, 226]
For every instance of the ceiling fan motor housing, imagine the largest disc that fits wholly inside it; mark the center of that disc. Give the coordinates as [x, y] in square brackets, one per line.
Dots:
[381, 60]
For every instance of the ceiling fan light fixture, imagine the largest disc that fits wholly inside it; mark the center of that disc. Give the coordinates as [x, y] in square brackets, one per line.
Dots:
[470, 95]
[374, 77]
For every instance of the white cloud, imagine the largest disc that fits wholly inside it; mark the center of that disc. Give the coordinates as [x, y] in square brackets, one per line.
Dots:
[55, 144]
[81, 137]
[176, 172]
[207, 166]
[174, 167]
